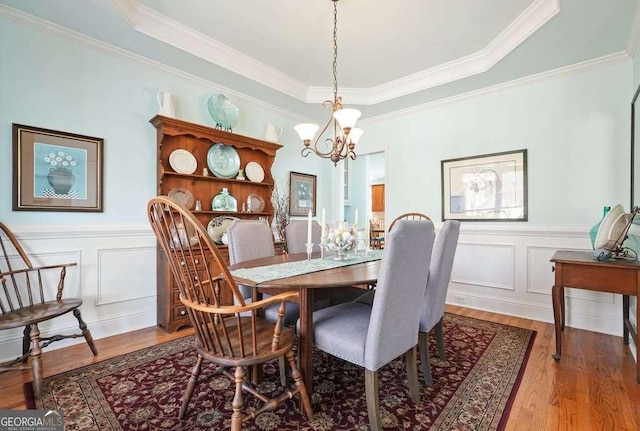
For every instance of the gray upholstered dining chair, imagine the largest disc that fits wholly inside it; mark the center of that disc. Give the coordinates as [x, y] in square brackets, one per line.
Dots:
[372, 336]
[440, 268]
[296, 232]
[249, 240]
[444, 251]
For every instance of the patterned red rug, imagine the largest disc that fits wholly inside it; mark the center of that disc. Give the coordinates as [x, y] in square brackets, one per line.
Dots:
[473, 389]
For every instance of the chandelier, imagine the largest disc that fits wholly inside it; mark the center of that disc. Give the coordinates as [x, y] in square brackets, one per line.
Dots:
[345, 136]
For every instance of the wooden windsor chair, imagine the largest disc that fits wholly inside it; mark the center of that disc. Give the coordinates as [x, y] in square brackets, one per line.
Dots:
[409, 216]
[31, 295]
[231, 336]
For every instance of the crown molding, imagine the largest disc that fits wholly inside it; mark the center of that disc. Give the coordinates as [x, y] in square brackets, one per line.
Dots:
[128, 9]
[48, 27]
[634, 33]
[607, 60]
[158, 26]
[534, 17]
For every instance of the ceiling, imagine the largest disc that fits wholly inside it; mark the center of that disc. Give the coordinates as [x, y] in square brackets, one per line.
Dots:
[391, 55]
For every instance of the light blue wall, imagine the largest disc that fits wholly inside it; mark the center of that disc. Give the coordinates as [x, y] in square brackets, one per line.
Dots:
[50, 82]
[575, 127]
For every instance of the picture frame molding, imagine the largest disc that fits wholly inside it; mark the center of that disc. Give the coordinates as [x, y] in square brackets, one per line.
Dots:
[490, 160]
[28, 171]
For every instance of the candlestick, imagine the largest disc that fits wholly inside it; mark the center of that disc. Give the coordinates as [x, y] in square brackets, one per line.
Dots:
[309, 250]
[309, 227]
[367, 235]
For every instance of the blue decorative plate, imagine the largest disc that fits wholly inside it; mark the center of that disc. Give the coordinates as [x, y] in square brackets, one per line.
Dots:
[223, 161]
[223, 111]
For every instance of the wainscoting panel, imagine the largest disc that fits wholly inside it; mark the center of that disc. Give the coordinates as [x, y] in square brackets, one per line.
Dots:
[115, 285]
[502, 268]
[539, 275]
[541, 278]
[115, 277]
[488, 265]
[507, 269]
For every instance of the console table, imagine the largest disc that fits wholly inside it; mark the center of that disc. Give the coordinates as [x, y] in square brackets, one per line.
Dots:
[577, 269]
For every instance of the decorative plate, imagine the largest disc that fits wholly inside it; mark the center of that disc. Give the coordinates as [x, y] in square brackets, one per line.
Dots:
[223, 161]
[604, 231]
[183, 162]
[184, 196]
[223, 111]
[255, 203]
[219, 225]
[254, 172]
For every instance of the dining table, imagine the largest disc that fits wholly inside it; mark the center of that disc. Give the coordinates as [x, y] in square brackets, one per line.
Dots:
[312, 278]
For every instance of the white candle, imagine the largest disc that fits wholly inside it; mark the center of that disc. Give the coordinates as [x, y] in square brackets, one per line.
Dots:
[355, 218]
[367, 232]
[309, 228]
[323, 225]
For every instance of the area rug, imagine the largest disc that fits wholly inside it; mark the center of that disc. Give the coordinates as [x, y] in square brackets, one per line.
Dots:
[472, 390]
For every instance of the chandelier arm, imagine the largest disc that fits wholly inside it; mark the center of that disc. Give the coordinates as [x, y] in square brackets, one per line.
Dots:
[316, 148]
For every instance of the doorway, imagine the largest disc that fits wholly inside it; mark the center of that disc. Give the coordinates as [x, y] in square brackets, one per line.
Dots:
[361, 176]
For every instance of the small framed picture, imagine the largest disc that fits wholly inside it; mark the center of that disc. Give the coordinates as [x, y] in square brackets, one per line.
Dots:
[56, 171]
[302, 191]
[490, 187]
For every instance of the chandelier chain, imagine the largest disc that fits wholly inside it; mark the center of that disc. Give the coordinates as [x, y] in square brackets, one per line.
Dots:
[335, 50]
[341, 145]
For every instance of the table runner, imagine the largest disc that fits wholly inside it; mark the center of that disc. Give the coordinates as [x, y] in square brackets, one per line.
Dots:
[291, 269]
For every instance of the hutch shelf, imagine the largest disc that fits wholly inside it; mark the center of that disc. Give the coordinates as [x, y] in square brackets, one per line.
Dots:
[174, 134]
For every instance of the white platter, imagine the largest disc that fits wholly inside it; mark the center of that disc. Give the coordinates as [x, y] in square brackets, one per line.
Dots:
[255, 203]
[183, 162]
[254, 172]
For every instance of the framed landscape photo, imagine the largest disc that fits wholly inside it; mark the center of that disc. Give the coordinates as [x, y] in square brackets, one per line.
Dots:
[56, 171]
[302, 191]
[490, 187]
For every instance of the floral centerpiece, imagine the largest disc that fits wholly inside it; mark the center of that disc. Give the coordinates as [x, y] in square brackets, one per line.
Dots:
[341, 238]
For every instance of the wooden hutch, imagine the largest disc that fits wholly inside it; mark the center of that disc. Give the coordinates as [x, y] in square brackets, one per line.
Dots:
[173, 134]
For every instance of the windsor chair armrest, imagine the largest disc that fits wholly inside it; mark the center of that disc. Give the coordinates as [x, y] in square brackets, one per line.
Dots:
[63, 272]
[37, 268]
[232, 309]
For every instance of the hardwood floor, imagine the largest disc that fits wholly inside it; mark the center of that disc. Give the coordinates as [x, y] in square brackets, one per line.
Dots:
[592, 388]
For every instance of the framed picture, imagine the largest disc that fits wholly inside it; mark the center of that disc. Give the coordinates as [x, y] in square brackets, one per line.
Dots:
[302, 191]
[56, 171]
[491, 187]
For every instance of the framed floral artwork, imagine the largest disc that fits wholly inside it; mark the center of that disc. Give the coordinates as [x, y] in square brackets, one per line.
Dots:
[56, 171]
[490, 187]
[302, 191]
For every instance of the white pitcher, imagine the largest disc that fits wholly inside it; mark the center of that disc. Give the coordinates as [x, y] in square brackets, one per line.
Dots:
[273, 133]
[165, 103]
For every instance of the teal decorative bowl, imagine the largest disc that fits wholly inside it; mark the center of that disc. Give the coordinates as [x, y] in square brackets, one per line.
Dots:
[223, 111]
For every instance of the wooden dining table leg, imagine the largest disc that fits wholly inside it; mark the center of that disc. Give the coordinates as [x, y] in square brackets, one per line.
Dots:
[305, 338]
[557, 292]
